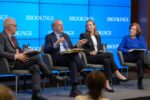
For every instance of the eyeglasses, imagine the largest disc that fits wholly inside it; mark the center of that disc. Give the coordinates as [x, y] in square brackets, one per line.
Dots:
[14, 25]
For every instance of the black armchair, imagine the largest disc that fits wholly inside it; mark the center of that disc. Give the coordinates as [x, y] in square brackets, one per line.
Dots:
[5, 69]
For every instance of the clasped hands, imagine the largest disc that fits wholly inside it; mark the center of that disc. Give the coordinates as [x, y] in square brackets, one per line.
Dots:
[93, 52]
[21, 56]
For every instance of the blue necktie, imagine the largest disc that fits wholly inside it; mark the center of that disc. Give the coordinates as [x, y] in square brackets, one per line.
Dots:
[65, 45]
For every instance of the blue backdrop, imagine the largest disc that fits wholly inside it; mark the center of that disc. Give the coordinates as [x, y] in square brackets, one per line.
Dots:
[34, 18]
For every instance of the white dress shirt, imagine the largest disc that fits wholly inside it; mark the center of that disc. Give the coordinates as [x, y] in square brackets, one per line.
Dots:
[61, 44]
[94, 42]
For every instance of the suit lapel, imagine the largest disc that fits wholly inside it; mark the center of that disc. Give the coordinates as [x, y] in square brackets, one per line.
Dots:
[8, 39]
[90, 40]
[54, 38]
[98, 42]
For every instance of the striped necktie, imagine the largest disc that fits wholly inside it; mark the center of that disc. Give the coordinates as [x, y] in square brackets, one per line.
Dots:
[14, 41]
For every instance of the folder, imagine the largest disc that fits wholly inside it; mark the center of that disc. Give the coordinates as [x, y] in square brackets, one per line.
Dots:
[74, 50]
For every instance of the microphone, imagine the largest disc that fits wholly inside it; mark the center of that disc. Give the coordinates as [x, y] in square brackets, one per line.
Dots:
[64, 43]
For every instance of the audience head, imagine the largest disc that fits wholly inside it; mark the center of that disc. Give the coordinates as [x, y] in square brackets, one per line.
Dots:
[91, 28]
[10, 26]
[95, 82]
[57, 26]
[135, 29]
[6, 93]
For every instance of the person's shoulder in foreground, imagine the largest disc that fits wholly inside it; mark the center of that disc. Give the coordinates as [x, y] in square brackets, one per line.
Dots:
[6, 93]
[87, 97]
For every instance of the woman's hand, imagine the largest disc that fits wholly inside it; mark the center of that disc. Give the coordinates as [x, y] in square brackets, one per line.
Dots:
[81, 42]
[93, 53]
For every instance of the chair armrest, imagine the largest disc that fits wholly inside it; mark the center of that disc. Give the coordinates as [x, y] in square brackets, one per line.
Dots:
[120, 56]
[48, 60]
[147, 58]
[104, 46]
[84, 58]
[4, 66]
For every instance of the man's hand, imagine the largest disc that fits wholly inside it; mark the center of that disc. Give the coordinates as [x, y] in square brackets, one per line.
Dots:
[21, 56]
[60, 40]
[93, 53]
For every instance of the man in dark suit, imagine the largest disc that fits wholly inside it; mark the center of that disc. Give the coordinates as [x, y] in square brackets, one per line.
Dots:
[17, 60]
[58, 41]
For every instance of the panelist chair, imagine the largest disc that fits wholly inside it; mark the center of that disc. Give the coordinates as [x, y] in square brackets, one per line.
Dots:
[59, 69]
[5, 69]
[94, 66]
[147, 59]
[124, 63]
[91, 66]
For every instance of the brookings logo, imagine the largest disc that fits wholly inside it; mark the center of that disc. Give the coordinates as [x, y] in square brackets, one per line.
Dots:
[80, 18]
[24, 33]
[112, 46]
[105, 32]
[69, 32]
[117, 19]
[3, 17]
[34, 17]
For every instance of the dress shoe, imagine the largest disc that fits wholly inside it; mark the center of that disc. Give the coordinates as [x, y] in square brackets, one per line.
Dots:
[58, 78]
[109, 90]
[75, 92]
[140, 85]
[125, 80]
[38, 97]
[61, 78]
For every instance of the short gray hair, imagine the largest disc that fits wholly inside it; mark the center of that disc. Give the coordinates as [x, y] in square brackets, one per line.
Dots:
[6, 22]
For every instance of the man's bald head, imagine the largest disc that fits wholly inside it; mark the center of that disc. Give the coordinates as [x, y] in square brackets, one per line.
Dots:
[8, 22]
[57, 26]
[10, 25]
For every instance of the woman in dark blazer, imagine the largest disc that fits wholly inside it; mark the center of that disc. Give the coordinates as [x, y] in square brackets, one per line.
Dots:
[92, 48]
[134, 40]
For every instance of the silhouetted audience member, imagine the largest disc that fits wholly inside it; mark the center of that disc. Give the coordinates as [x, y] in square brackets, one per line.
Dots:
[6, 93]
[96, 83]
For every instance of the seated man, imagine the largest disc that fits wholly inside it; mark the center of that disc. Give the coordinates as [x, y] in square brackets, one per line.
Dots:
[10, 50]
[58, 41]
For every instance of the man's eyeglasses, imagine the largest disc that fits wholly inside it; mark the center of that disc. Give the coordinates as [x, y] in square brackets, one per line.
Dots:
[14, 25]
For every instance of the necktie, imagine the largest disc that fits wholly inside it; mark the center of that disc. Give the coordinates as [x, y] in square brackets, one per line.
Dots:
[65, 45]
[14, 41]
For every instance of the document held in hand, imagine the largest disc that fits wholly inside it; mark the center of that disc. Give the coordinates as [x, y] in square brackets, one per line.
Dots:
[74, 50]
[31, 52]
[137, 50]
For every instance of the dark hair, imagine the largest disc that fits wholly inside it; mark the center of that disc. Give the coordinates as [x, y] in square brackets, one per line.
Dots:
[95, 82]
[95, 31]
[138, 30]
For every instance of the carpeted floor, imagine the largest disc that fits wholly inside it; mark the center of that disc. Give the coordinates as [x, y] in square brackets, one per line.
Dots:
[125, 91]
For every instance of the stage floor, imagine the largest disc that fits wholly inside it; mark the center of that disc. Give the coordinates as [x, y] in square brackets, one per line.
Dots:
[123, 91]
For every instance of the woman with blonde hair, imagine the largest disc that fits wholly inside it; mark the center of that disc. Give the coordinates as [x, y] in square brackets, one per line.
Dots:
[93, 48]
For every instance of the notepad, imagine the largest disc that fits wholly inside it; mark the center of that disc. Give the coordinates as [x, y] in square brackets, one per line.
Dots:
[31, 52]
[75, 50]
[137, 50]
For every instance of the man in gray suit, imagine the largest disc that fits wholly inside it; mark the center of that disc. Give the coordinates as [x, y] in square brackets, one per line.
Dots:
[17, 60]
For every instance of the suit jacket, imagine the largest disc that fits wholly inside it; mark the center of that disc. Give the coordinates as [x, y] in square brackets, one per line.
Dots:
[89, 46]
[50, 39]
[7, 50]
